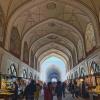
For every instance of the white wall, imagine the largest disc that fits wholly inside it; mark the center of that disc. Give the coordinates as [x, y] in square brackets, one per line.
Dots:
[8, 59]
[95, 56]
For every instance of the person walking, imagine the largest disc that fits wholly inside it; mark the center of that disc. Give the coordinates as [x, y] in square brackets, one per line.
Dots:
[48, 92]
[63, 88]
[59, 90]
[76, 88]
[15, 91]
[29, 90]
[36, 94]
[73, 89]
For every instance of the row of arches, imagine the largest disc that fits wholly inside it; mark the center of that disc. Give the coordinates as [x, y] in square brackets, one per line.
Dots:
[19, 47]
[15, 43]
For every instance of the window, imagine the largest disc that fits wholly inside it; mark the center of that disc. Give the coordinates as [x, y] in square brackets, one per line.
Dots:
[12, 70]
[24, 74]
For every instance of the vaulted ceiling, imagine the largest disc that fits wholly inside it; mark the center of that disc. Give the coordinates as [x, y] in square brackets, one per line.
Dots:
[51, 24]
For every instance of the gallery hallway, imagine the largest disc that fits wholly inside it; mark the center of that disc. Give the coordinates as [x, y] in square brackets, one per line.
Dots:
[49, 41]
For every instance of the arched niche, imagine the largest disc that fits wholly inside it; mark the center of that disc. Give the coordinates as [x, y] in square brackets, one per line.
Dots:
[1, 27]
[24, 73]
[76, 74]
[15, 42]
[26, 53]
[83, 72]
[95, 68]
[30, 75]
[80, 50]
[90, 40]
[32, 60]
[12, 70]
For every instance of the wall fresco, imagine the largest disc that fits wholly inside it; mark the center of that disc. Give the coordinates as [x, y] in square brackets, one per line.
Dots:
[15, 43]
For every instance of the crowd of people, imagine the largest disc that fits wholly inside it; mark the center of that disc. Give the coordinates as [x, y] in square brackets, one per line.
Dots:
[78, 90]
[50, 90]
[33, 90]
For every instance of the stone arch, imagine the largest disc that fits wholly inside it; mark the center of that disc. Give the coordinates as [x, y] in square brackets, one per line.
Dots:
[67, 60]
[53, 67]
[15, 42]
[64, 39]
[57, 21]
[54, 46]
[1, 33]
[79, 5]
[53, 54]
[90, 40]
[26, 53]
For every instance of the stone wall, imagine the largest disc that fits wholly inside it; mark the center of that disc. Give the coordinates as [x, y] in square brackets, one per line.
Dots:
[86, 67]
[7, 60]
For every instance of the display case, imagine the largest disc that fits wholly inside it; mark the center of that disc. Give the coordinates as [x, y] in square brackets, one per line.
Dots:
[7, 82]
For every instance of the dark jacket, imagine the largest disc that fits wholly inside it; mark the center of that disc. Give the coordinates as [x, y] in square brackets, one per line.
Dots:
[30, 89]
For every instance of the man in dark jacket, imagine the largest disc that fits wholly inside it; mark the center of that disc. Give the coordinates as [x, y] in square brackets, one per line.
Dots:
[59, 90]
[29, 90]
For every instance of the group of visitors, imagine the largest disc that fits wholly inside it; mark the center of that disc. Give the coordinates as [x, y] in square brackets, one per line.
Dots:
[78, 90]
[29, 91]
[52, 90]
[33, 90]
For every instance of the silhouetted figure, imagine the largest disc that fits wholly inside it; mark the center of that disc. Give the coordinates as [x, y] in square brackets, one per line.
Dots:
[76, 89]
[48, 92]
[84, 90]
[15, 91]
[59, 90]
[63, 88]
[73, 89]
[36, 94]
[29, 90]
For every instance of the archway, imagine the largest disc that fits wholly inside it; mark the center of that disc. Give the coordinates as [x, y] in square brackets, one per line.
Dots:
[52, 67]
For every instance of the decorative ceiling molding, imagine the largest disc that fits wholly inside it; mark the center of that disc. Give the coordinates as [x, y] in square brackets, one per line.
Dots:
[74, 4]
